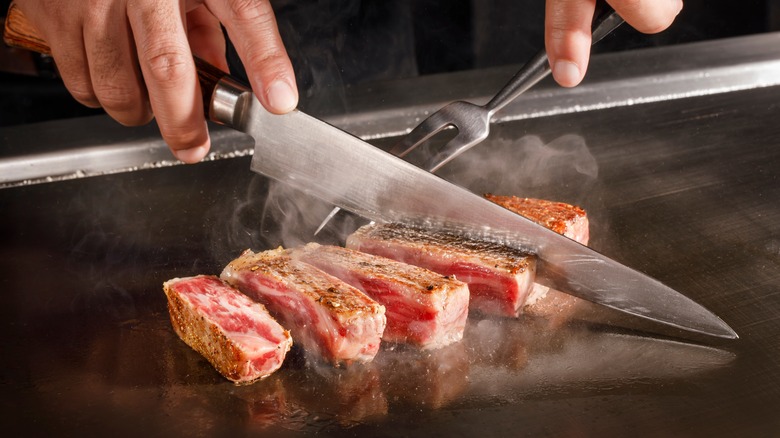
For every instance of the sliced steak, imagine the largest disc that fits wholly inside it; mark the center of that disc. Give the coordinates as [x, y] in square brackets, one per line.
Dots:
[566, 219]
[423, 307]
[238, 336]
[499, 277]
[326, 316]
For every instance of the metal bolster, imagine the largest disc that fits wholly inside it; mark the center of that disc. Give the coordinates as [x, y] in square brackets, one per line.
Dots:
[229, 99]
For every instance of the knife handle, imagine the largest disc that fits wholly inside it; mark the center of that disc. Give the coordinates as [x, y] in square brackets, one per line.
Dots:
[19, 32]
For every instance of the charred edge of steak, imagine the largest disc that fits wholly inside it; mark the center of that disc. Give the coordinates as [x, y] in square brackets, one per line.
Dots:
[423, 308]
[423, 280]
[494, 254]
[324, 288]
[209, 340]
[556, 216]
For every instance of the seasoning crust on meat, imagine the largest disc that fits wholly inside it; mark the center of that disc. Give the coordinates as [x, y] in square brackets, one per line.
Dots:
[566, 219]
[499, 276]
[500, 257]
[327, 316]
[236, 335]
[423, 308]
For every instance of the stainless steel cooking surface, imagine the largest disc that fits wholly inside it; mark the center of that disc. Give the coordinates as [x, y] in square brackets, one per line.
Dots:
[686, 190]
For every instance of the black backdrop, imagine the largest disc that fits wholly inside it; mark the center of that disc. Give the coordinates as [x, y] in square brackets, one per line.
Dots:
[338, 43]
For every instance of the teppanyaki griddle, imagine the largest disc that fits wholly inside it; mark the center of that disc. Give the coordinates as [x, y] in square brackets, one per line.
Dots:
[685, 189]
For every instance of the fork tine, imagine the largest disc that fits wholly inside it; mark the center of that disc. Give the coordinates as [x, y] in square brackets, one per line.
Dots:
[425, 130]
[327, 219]
[456, 146]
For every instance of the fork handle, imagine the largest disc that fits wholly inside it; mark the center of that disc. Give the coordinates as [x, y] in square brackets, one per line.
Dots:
[532, 72]
[605, 21]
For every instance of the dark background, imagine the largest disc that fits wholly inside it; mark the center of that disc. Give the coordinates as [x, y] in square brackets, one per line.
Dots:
[335, 44]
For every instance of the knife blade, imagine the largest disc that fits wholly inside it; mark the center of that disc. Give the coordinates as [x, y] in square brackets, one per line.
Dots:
[337, 167]
[328, 163]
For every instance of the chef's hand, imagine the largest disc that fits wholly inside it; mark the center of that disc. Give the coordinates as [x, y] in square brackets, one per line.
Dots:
[134, 58]
[568, 30]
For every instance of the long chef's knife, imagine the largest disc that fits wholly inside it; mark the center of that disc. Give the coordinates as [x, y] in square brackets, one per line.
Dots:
[328, 163]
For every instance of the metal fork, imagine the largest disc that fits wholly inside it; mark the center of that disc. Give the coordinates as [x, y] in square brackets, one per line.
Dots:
[473, 121]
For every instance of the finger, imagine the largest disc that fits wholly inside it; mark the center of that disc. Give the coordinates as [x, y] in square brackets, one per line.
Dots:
[251, 26]
[63, 31]
[169, 72]
[567, 37]
[206, 39]
[648, 16]
[116, 78]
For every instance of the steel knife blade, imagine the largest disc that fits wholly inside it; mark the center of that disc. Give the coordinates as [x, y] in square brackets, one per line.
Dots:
[339, 168]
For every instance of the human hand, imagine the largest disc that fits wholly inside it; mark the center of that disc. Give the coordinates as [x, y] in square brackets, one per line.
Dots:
[567, 33]
[134, 58]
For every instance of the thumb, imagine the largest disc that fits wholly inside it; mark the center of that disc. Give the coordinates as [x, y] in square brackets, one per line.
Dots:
[251, 26]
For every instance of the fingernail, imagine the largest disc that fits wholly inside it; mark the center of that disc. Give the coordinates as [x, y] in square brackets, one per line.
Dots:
[566, 73]
[191, 155]
[281, 96]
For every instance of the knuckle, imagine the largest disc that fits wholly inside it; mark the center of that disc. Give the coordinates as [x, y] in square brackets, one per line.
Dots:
[269, 59]
[182, 138]
[82, 91]
[251, 10]
[168, 64]
[125, 104]
[556, 32]
[115, 97]
[563, 33]
[632, 5]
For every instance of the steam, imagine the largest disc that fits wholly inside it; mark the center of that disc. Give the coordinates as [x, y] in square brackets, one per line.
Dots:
[271, 214]
[562, 170]
[298, 215]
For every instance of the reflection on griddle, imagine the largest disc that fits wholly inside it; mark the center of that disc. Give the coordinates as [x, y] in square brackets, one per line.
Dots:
[347, 395]
[140, 364]
[430, 378]
[512, 343]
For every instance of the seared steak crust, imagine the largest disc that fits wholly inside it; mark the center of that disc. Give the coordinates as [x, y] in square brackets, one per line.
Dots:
[566, 219]
[236, 335]
[499, 277]
[423, 308]
[327, 316]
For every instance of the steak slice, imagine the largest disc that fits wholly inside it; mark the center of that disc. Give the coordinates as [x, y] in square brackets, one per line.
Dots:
[423, 308]
[238, 336]
[566, 219]
[499, 277]
[328, 317]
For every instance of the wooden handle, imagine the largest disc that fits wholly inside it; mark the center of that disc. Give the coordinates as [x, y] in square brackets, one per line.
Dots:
[208, 76]
[20, 32]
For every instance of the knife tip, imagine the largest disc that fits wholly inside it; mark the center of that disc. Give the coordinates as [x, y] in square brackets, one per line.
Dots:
[721, 330]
